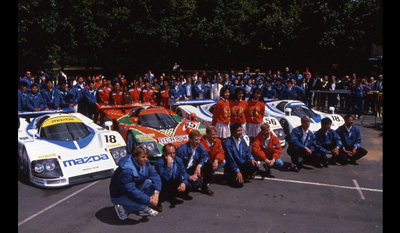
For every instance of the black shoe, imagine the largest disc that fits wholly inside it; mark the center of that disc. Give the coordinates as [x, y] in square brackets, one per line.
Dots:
[317, 165]
[207, 191]
[305, 167]
[267, 169]
[353, 161]
[158, 207]
[267, 172]
[185, 196]
[173, 202]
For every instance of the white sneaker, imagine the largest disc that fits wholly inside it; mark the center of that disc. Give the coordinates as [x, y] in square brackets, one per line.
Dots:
[120, 212]
[148, 212]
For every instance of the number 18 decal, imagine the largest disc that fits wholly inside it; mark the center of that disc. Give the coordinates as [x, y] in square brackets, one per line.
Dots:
[110, 138]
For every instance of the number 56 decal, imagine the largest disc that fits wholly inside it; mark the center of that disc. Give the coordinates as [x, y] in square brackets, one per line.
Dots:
[270, 121]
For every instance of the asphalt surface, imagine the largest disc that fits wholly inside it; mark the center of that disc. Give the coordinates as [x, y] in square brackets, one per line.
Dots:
[334, 199]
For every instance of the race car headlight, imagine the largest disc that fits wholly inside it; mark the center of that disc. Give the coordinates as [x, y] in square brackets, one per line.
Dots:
[149, 146]
[118, 153]
[50, 166]
[152, 148]
[123, 152]
[38, 168]
[279, 133]
[46, 168]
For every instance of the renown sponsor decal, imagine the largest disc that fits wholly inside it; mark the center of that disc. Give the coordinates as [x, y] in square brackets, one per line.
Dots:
[84, 160]
[173, 139]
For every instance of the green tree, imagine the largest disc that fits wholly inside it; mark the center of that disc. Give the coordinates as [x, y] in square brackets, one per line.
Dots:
[140, 34]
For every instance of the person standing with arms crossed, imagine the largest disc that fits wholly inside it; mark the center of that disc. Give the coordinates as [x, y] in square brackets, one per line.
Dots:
[239, 107]
[254, 114]
[222, 115]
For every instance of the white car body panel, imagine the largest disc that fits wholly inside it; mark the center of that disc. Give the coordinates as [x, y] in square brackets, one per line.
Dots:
[80, 160]
[272, 109]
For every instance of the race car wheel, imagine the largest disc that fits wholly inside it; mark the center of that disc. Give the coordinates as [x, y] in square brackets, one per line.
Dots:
[285, 126]
[179, 112]
[130, 142]
[23, 162]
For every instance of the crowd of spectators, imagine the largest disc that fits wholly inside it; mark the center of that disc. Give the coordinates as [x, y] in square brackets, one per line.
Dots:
[40, 91]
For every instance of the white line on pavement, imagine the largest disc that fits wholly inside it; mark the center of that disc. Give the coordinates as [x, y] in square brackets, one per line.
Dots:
[358, 189]
[57, 203]
[316, 183]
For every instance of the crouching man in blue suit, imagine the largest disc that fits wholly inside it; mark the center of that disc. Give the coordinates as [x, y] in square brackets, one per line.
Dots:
[302, 145]
[173, 175]
[240, 162]
[328, 142]
[350, 136]
[194, 156]
[135, 185]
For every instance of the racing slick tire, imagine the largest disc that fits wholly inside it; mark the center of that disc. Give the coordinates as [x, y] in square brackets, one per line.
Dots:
[23, 163]
[285, 125]
[179, 112]
[130, 142]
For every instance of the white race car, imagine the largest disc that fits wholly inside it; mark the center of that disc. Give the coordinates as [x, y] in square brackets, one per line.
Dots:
[62, 149]
[204, 111]
[289, 113]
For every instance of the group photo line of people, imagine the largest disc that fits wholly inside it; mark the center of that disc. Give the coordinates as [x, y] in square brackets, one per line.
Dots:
[40, 91]
[238, 140]
[137, 187]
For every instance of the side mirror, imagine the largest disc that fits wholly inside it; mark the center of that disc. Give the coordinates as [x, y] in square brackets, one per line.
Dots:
[33, 132]
[288, 111]
[332, 109]
[108, 125]
[192, 116]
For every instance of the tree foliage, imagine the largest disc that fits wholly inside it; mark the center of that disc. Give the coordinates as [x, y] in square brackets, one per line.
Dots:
[139, 34]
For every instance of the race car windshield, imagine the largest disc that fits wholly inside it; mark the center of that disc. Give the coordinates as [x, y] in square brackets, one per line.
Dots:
[301, 111]
[158, 121]
[65, 131]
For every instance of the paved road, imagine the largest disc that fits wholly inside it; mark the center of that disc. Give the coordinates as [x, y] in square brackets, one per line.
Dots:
[334, 199]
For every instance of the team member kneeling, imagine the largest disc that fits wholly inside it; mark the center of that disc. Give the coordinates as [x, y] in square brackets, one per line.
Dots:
[135, 185]
[240, 163]
[173, 175]
[267, 148]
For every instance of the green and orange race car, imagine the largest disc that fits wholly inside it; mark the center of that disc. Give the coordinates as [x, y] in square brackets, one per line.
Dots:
[153, 127]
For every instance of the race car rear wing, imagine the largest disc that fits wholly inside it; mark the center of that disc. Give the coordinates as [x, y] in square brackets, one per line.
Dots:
[125, 106]
[206, 101]
[265, 99]
[194, 102]
[27, 114]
